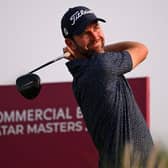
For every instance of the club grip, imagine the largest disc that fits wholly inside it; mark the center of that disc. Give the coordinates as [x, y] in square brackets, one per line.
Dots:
[67, 54]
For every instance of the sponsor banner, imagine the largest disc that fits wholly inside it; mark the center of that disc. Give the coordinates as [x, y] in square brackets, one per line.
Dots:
[49, 131]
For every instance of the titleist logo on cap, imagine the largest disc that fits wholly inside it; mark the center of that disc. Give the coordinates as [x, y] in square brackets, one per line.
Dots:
[78, 14]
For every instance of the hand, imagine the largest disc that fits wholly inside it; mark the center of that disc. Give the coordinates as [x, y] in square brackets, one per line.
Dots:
[68, 53]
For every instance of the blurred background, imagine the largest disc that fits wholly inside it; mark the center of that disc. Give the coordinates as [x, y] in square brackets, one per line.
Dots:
[30, 35]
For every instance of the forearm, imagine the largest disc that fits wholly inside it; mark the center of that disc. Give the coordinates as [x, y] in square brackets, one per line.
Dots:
[121, 46]
[137, 51]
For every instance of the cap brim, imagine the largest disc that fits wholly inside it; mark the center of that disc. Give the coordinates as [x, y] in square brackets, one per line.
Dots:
[84, 24]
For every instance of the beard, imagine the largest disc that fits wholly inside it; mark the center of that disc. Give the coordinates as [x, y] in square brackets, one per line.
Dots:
[90, 50]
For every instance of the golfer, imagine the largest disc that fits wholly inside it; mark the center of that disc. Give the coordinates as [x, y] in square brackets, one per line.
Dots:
[111, 113]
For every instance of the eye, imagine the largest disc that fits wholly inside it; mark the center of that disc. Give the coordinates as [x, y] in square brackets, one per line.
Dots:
[96, 26]
[84, 34]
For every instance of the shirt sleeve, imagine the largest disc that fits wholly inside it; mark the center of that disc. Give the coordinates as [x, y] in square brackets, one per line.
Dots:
[115, 62]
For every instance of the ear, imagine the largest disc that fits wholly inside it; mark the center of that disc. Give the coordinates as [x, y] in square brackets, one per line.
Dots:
[70, 44]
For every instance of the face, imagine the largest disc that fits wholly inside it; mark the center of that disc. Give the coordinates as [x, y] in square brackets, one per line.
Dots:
[91, 40]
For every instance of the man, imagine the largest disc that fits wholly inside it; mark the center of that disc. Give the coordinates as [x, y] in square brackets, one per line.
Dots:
[111, 113]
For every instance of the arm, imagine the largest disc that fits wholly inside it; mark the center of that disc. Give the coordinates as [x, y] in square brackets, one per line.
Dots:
[137, 51]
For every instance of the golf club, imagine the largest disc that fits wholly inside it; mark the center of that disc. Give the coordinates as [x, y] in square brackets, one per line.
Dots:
[29, 85]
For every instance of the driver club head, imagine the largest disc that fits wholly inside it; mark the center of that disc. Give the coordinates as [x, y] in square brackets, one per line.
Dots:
[28, 85]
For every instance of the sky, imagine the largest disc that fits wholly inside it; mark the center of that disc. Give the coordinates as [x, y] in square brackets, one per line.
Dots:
[30, 35]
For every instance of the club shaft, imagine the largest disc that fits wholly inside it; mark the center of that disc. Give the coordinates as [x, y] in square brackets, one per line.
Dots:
[48, 63]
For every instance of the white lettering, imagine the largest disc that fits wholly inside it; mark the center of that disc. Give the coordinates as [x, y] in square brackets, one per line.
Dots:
[1, 117]
[20, 116]
[11, 130]
[63, 127]
[54, 127]
[38, 115]
[30, 115]
[78, 14]
[8, 117]
[67, 113]
[63, 115]
[31, 128]
[3, 129]
[78, 113]
[48, 117]
[78, 127]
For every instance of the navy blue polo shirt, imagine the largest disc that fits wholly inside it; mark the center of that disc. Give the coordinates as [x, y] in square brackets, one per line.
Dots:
[111, 113]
